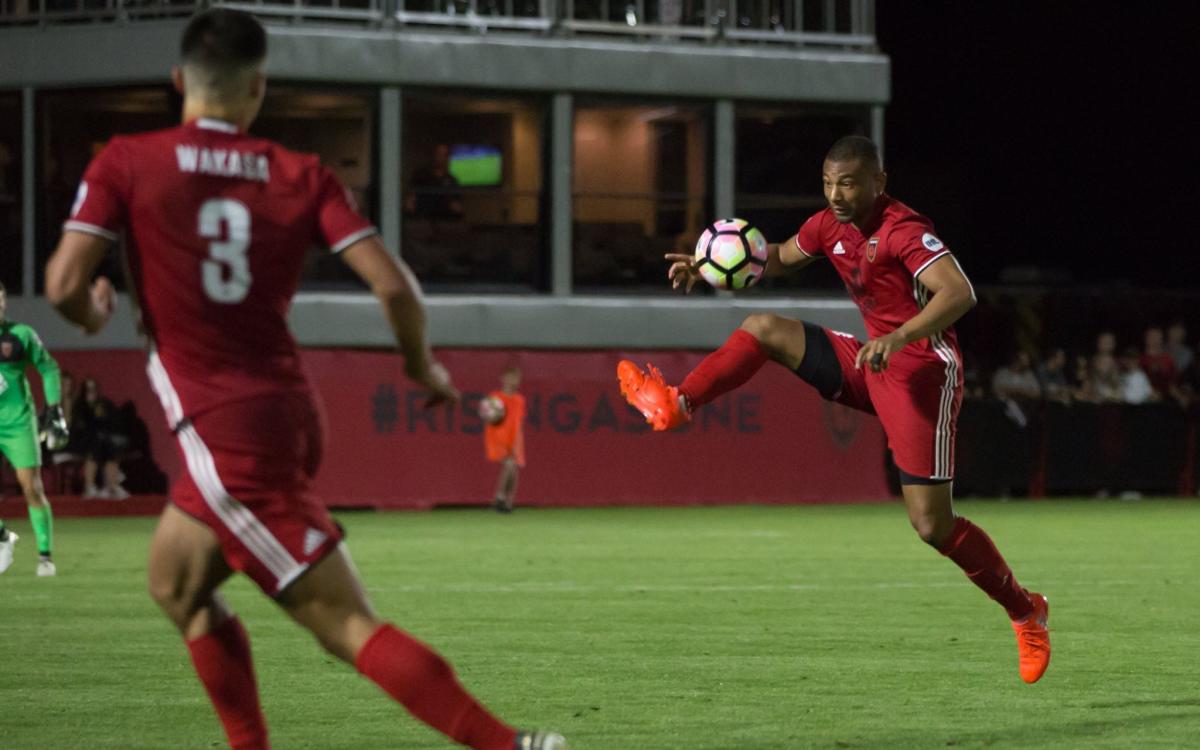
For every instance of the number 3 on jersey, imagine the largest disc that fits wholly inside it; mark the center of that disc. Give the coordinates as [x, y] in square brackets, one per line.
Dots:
[226, 271]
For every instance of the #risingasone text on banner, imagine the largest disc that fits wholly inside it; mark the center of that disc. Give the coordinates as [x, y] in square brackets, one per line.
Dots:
[772, 441]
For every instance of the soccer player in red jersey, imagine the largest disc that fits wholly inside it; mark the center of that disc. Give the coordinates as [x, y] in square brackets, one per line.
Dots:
[218, 223]
[910, 290]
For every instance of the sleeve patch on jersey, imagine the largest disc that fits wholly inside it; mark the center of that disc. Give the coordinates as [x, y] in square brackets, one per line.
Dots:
[931, 243]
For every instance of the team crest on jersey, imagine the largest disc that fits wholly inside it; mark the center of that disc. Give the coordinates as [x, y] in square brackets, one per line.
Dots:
[931, 243]
[872, 246]
[10, 348]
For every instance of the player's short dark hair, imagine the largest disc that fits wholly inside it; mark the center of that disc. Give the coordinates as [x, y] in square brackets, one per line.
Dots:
[221, 41]
[854, 148]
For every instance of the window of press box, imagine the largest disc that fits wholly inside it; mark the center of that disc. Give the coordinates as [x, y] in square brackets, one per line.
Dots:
[11, 251]
[73, 126]
[473, 192]
[778, 155]
[641, 189]
[339, 127]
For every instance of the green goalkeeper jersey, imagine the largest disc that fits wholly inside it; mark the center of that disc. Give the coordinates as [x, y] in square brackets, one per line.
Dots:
[20, 347]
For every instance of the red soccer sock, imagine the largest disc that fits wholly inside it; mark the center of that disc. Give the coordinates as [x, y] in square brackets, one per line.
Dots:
[973, 551]
[425, 684]
[725, 369]
[222, 661]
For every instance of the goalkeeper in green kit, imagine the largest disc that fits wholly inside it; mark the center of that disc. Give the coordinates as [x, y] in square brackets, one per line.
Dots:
[19, 429]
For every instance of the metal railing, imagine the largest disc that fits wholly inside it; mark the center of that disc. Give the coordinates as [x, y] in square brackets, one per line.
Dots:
[526, 15]
[839, 23]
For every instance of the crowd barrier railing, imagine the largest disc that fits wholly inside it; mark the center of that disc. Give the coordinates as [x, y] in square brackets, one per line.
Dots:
[842, 24]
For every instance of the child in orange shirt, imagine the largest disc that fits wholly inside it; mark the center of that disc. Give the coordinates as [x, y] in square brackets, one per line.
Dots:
[504, 436]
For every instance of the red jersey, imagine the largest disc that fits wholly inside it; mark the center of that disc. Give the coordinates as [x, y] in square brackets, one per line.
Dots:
[218, 225]
[882, 266]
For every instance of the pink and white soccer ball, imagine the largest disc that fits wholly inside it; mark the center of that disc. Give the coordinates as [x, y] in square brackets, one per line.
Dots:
[491, 410]
[731, 254]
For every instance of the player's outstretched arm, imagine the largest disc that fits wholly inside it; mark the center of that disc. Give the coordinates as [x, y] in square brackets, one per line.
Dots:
[69, 287]
[399, 293]
[47, 367]
[786, 257]
[781, 258]
[952, 297]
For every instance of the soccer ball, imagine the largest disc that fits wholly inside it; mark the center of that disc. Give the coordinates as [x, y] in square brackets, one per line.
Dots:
[731, 254]
[491, 410]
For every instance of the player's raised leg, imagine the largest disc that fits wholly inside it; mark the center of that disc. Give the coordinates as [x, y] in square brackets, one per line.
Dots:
[40, 516]
[762, 337]
[186, 568]
[330, 602]
[931, 511]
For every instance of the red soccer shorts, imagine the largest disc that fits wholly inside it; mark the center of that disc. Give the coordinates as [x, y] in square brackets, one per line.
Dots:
[917, 399]
[249, 469]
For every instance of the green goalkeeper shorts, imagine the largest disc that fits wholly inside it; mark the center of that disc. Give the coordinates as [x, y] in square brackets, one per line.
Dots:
[19, 444]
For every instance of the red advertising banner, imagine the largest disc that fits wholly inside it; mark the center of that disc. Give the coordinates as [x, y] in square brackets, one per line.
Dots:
[771, 441]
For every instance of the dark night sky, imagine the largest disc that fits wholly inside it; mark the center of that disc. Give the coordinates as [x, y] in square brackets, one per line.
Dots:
[1053, 137]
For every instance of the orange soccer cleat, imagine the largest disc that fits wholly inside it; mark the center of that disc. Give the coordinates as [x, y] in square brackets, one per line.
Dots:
[1033, 640]
[658, 402]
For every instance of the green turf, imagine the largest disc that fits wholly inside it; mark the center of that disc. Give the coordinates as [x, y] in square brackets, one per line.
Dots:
[654, 629]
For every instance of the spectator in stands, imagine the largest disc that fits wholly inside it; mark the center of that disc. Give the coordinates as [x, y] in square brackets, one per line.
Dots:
[1016, 380]
[433, 191]
[1104, 380]
[1177, 347]
[1081, 379]
[1158, 365]
[1135, 385]
[1106, 343]
[1052, 376]
[103, 441]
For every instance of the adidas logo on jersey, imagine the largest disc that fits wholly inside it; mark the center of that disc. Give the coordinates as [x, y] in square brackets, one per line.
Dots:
[312, 540]
[838, 249]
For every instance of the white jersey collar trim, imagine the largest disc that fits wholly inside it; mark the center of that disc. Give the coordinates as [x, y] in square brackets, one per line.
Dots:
[211, 123]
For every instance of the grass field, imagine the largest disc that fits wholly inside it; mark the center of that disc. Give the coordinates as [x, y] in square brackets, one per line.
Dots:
[759, 628]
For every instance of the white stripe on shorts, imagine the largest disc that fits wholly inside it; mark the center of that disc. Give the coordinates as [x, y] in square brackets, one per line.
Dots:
[237, 518]
[203, 469]
[943, 441]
